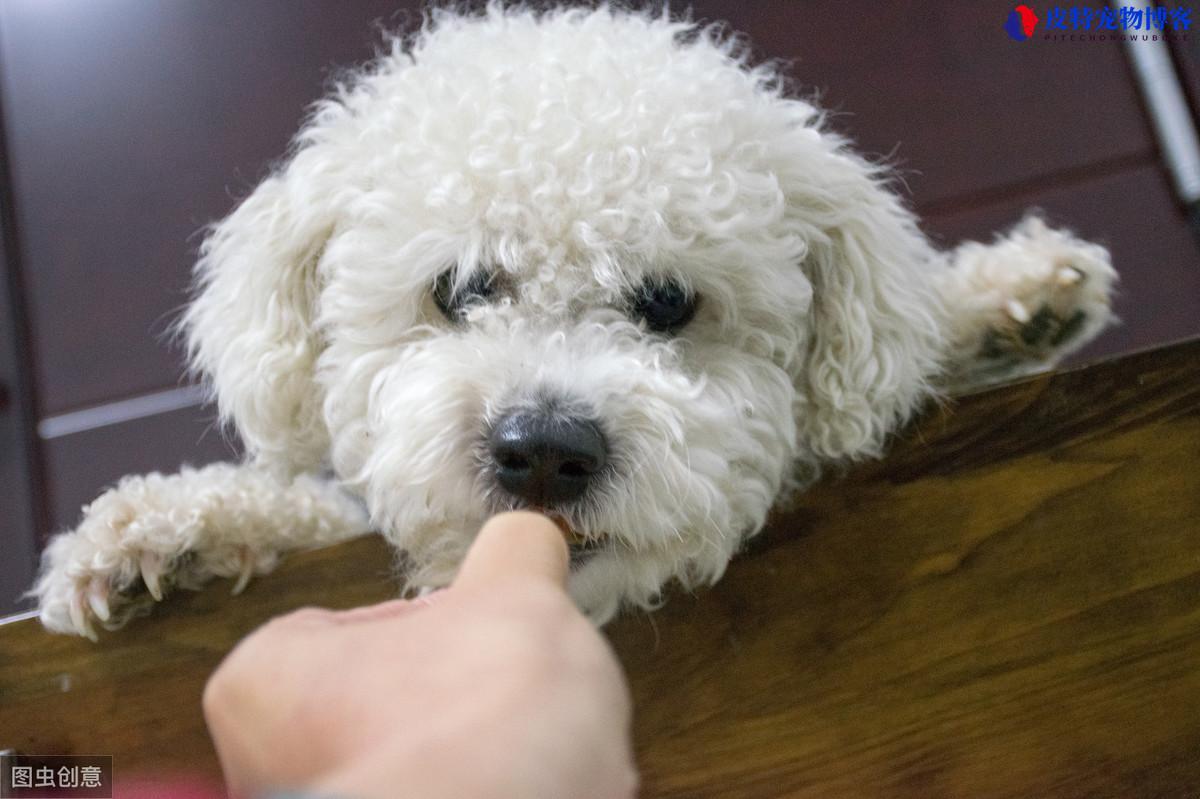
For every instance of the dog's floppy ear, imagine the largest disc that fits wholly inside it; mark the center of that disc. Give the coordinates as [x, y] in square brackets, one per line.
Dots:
[250, 328]
[874, 333]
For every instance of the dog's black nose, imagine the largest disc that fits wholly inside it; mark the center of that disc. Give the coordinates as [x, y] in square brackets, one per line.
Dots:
[547, 458]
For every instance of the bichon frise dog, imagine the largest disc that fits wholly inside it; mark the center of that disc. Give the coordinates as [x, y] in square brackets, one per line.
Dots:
[588, 261]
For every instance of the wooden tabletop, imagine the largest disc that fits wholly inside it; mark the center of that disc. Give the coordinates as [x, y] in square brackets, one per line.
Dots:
[1007, 605]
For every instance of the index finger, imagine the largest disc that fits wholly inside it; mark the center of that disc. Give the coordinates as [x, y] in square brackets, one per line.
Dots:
[519, 544]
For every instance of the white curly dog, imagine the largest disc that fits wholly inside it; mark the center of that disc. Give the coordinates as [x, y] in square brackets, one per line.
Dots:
[589, 261]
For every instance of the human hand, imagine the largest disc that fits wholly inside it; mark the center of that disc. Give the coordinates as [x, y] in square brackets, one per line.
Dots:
[495, 687]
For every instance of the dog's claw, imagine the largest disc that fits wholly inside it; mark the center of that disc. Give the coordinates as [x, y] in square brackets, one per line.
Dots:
[1017, 311]
[97, 596]
[245, 572]
[1068, 276]
[79, 617]
[149, 564]
[76, 610]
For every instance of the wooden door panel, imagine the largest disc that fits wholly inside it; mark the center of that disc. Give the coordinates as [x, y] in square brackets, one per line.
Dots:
[131, 125]
[20, 501]
[940, 87]
[81, 465]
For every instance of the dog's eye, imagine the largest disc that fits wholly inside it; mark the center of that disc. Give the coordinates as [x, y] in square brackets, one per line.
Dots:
[665, 305]
[479, 288]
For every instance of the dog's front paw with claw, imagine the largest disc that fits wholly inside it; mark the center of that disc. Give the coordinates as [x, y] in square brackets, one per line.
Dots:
[132, 549]
[1029, 300]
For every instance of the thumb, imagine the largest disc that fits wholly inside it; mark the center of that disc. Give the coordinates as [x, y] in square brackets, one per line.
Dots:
[521, 545]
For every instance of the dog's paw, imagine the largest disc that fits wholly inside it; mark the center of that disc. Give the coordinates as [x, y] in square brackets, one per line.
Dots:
[1046, 314]
[83, 584]
[1030, 299]
[128, 553]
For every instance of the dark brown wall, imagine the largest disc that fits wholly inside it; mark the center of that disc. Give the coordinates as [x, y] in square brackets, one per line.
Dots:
[20, 500]
[132, 123]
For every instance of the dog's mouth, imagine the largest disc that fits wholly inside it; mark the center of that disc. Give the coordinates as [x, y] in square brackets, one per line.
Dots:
[583, 552]
[581, 548]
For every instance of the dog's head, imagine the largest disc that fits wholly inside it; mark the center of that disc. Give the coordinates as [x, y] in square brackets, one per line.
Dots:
[585, 261]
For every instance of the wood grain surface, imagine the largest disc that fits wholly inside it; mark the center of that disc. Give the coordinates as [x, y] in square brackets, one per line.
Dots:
[1007, 605]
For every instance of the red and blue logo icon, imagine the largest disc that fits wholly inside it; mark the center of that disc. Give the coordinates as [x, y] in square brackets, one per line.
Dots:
[1021, 23]
[1100, 23]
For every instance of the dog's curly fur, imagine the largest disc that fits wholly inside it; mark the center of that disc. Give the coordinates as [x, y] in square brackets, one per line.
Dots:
[572, 154]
